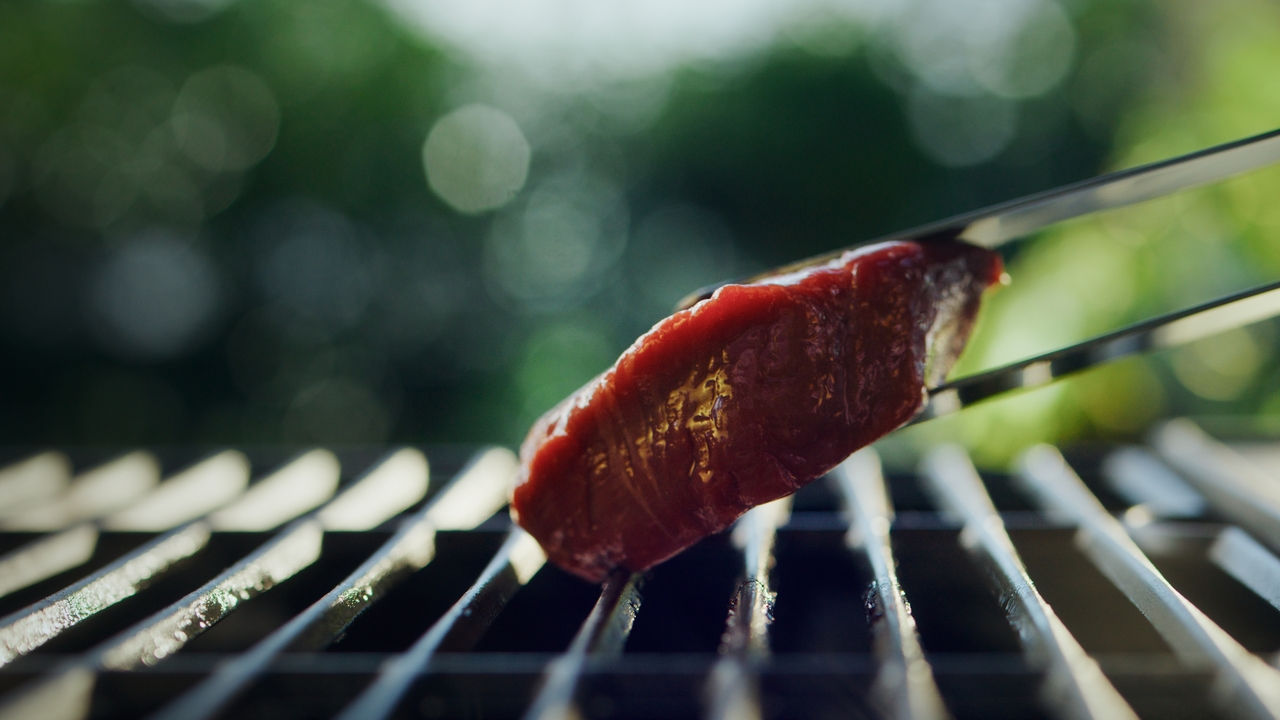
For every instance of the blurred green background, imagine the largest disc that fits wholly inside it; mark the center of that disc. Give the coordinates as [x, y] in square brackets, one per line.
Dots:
[411, 221]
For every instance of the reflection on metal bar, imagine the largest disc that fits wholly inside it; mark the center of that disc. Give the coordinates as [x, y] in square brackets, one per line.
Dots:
[159, 636]
[299, 486]
[904, 685]
[411, 548]
[603, 634]
[1074, 682]
[283, 556]
[49, 555]
[477, 494]
[1233, 485]
[66, 694]
[389, 489]
[92, 494]
[733, 689]
[1178, 328]
[199, 489]
[166, 632]
[1143, 480]
[1246, 560]
[31, 481]
[1160, 493]
[22, 632]
[278, 559]
[512, 567]
[1245, 684]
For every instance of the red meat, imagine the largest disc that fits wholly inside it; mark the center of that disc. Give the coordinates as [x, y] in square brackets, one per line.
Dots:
[742, 399]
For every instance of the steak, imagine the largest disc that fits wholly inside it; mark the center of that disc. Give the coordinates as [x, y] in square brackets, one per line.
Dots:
[744, 398]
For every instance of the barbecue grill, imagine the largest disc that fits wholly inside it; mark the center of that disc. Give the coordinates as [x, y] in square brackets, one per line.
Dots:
[1109, 580]
[1091, 582]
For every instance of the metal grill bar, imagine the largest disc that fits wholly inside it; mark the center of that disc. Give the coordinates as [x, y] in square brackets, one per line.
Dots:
[165, 633]
[1146, 482]
[484, 483]
[280, 558]
[28, 629]
[287, 493]
[32, 481]
[904, 681]
[93, 494]
[411, 548]
[185, 496]
[203, 487]
[511, 568]
[1233, 485]
[1251, 564]
[824, 659]
[1163, 494]
[192, 493]
[45, 557]
[1249, 686]
[733, 688]
[1167, 331]
[1074, 680]
[602, 635]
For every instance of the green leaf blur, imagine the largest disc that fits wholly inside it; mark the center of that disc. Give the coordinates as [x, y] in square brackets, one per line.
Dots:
[224, 221]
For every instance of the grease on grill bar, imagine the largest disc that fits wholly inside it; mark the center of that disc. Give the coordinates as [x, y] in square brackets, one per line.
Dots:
[1127, 581]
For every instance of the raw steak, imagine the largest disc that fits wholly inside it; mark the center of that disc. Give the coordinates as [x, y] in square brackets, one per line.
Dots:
[742, 399]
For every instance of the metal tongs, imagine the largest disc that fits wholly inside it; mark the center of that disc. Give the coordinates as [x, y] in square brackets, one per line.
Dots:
[996, 225]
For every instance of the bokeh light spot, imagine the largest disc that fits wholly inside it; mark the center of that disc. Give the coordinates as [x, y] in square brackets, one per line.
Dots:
[1221, 367]
[1030, 55]
[958, 130]
[677, 249]
[226, 118]
[476, 158]
[560, 248]
[154, 298]
[318, 263]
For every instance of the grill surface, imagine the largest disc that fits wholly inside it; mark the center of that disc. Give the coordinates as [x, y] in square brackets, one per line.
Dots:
[1120, 581]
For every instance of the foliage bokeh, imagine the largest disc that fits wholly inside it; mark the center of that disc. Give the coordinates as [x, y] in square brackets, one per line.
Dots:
[216, 224]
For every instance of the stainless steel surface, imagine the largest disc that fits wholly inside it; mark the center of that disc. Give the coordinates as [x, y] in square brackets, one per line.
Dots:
[1166, 331]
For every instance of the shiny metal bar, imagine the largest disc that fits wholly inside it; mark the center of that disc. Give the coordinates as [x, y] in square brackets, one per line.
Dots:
[302, 484]
[187, 495]
[1166, 331]
[1246, 686]
[1234, 486]
[733, 689]
[90, 495]
[28, 629]
[30, 482]
[1249, 562]
[515, 563]
[411, 548]
[603, 634]
[1136, 475]
[70, 547]
[904, 685]
[297, 546]
[1074, 684]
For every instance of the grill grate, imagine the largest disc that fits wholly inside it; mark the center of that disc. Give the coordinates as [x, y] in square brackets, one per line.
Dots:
[1119, 582]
